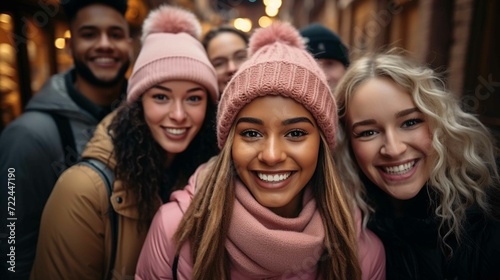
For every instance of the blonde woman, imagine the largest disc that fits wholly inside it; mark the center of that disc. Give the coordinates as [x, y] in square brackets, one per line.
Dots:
[427, 167]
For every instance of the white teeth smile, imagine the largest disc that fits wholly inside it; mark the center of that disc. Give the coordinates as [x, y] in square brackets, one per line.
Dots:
[104, 60]
[176, 131]
[274, 178]
[399, 169]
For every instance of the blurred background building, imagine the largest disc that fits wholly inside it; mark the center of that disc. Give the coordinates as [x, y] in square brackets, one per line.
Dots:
[459, 38]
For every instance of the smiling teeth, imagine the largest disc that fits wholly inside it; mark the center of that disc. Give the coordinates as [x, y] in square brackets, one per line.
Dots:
[104, 60]
[176, 131]
[399, 169]
[274, 178]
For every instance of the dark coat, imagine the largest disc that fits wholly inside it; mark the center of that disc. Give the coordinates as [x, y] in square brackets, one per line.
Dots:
[413, 250]
[31, 145]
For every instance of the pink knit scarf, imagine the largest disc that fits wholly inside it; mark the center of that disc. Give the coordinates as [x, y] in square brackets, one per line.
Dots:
[263, 244]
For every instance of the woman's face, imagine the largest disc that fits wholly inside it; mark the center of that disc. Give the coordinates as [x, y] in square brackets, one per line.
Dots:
[275, 151]
[390, 138]
[174, 112]
[226, 51]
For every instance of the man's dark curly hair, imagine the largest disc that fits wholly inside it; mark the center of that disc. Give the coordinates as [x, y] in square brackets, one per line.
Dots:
[140, 160]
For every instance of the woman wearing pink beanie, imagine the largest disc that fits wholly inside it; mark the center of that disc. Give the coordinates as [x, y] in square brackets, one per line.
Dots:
[151, 146]
[271, 204]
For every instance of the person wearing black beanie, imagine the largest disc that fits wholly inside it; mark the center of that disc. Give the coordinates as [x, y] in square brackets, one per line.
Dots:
[327, 48]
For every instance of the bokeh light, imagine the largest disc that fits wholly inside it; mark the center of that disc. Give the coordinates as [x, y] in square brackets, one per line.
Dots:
[243, 24]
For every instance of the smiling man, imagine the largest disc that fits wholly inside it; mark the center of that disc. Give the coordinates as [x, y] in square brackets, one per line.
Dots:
[60, 119]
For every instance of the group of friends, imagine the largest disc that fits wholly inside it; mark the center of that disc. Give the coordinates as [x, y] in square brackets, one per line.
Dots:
[265, 157]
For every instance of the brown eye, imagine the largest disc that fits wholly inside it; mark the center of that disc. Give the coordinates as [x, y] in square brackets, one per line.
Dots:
[296, 133]
[250, 133]
[160, 97]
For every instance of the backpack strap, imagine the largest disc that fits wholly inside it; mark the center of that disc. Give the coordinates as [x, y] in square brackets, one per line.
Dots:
[174, 267]
[108, 177]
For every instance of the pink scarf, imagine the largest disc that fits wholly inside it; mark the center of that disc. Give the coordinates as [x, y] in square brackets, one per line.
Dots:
[263, 244]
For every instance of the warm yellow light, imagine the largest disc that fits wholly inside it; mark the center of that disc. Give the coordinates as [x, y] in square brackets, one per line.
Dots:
[271, 11]
[5, 18]
[243, 24]
[265, 21]
[67, 34]
[60, 43]
[273, 3]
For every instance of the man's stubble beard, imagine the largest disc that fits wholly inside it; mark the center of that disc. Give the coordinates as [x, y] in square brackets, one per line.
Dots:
[84, 71]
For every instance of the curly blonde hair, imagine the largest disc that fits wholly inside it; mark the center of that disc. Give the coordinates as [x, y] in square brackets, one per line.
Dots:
[464, 166]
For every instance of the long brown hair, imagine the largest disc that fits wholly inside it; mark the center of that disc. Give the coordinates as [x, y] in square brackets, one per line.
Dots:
[207, 220]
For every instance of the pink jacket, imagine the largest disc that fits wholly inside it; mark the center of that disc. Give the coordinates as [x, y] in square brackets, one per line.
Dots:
[158, 253]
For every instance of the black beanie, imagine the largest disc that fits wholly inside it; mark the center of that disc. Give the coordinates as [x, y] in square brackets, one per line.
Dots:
[71, 7]
[323, 43]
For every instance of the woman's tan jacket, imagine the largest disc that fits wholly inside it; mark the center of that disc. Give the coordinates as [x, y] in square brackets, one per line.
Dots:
[75, 234]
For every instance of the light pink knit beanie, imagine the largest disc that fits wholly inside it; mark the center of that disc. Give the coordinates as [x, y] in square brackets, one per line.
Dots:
[171, 51]
[278, 65]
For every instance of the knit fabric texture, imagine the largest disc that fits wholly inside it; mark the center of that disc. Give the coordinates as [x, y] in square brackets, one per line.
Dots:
[278, 65]
[171, 51]
[296, 243]
[323, 43]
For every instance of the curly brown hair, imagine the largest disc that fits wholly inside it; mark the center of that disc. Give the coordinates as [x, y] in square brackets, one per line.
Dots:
[140, 160]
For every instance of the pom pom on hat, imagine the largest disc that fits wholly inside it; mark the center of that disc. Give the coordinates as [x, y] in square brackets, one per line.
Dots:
[283, 33]
[278, 65]
[171, 51]
[171, 20]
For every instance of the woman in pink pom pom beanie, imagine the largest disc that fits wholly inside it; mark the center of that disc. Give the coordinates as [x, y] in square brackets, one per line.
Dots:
[151, 146]
[271, 204]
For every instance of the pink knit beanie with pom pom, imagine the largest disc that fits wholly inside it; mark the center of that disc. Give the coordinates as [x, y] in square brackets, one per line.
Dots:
[278, 65]
[171, 51]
